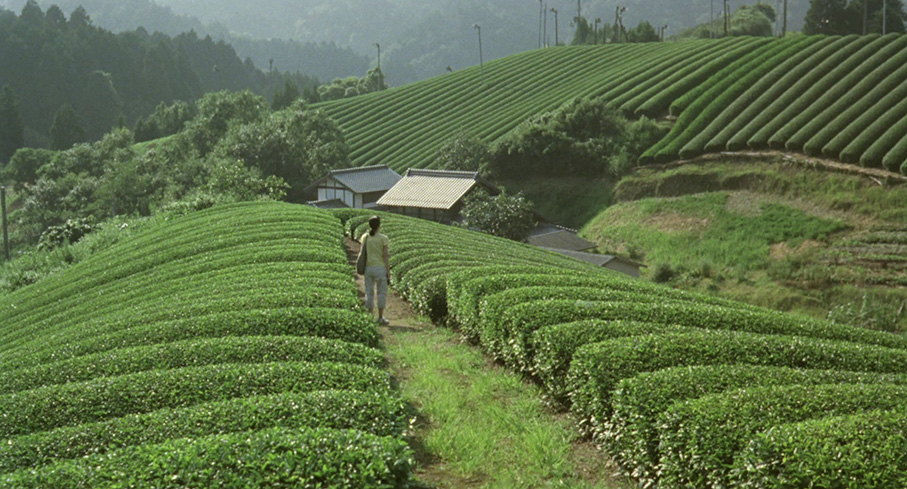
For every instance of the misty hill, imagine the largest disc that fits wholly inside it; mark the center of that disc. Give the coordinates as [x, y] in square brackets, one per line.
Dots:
[420, 39]
[322, 60]
[49, 60]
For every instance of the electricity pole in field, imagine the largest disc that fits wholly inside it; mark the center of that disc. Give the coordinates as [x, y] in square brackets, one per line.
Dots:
[784, 24]
[727, 21]
[555, 25]
[5, 232]
[541, 10]
[481, 62]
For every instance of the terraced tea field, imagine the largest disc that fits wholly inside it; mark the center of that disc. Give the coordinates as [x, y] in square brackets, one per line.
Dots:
[841, 98]
[229, 347]
[224, 348]
[682, 389]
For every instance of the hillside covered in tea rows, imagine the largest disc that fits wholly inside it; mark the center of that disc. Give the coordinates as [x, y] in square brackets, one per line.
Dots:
[836, 97]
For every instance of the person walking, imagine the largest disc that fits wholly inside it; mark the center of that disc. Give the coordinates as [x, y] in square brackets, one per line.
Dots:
[377, 268]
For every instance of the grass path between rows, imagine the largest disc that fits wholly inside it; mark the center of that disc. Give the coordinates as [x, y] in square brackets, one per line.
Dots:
[476, 425]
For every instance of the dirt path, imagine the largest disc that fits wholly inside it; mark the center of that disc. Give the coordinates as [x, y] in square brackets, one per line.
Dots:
[592, 468]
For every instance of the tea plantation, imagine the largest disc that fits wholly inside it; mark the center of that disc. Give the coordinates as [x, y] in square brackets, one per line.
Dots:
[227, 348]
[841, 98]
[681, 389]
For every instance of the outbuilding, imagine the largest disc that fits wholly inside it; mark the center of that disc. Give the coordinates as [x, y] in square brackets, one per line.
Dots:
[611, 262]
[436, 195]
[359, 188]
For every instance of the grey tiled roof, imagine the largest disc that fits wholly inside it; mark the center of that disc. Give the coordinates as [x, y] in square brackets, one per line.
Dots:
[364, 180]
[329, 204]
[554, 237]
[595, 259]
[431, 189]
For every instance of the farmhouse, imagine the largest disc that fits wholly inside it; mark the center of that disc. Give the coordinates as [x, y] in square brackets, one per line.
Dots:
[359, 188]
[436, 195]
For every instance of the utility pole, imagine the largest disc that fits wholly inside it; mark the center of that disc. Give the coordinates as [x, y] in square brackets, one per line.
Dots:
[541, 9]
[579, 10]
[555, 26]
[712, 19]
[663, 29]
[726, 19]
[545, 29]
[884, 11]
[618, 22]
[784, 23]
[481, 62]
[379, 55]
[5, 230]
[865, 15]
[598, 20]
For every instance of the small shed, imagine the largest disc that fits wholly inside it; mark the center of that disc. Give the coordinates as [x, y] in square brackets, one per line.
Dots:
[611, 262]
[358, 188]
[547, 235]
[435, 195]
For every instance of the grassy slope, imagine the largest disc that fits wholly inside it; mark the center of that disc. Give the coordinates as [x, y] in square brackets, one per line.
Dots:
[768, 234]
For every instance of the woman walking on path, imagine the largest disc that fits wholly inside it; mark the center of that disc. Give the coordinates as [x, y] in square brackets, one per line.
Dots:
[377, 267]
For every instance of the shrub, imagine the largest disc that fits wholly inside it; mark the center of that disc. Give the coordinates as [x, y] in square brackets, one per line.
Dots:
[663, 273]
[597, 367]
[67, 233]
[194, 353]
[631, 434]
[320, 457]
[867, 447]
[700, 438]
[378, 414]
[51, 407]
[555, 345]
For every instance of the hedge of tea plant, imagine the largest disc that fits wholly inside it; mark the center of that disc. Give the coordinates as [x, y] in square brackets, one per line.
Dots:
[225, 348]
[622, 354]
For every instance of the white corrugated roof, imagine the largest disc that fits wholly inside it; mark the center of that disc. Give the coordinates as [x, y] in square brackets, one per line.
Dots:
[430, 189]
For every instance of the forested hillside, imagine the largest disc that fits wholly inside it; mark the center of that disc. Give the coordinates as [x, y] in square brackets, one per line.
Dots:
[51, 62]
[320, 59]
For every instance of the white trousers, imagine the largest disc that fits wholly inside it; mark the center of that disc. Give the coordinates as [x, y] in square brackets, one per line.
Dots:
[375, 276]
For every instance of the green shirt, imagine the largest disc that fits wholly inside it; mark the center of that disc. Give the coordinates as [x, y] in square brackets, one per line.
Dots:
[375, 248]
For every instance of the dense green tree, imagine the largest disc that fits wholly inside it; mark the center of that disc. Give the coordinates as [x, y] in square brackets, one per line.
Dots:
[826, 17]
[67, 129]
[353, 86]
[753, 20]
[218, 111]
[12, 131]
[464, 152]
[296, 144]
[23, 166]
[284, 97]
[644, 32]
[165, 121]
[505, 216]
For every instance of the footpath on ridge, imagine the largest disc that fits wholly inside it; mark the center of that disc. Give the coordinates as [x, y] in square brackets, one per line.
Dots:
[475, 424]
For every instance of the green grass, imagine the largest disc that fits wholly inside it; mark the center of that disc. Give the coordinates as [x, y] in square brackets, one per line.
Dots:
[569, 202]
[488, 425]
[692, 230]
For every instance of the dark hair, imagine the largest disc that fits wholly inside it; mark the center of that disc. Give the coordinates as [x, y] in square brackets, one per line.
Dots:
[374, 222]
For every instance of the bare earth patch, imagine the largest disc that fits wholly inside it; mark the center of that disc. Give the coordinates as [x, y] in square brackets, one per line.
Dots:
[781, 251]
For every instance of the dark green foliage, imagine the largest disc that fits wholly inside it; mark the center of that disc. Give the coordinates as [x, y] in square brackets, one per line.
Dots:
[234, 349]
[353, 86]
[12, 130]
[868, 447]
[598, 367]
[755, 20]
[69, 232]
[218, 111]
[165, 121]
[505, 216]
[371, 412]
[284, 97]
[644, 32]
[826, 17]
[895, 159]
[866, 145]
[700, 438]
[631, 434]
[582, 138]
[24, 164]
[297, 145]
[554, 346]
[66, 130]
[465, 153]
[305, 457]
